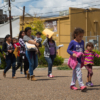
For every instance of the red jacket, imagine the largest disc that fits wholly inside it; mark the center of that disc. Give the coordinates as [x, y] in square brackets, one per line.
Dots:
[72, 62]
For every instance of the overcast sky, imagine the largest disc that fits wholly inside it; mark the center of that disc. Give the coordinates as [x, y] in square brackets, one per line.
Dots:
[42, 7]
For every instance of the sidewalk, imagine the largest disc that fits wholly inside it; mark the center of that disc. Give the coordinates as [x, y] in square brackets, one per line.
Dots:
[55, 68]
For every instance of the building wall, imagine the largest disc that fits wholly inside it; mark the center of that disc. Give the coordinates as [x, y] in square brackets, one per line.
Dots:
[66, 24]
[4, 29]
[62, 36]
[85, 20]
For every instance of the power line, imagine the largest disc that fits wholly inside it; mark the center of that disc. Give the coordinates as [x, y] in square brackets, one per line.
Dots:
[68, 14]
[27, 1]
[4, 5]
[63, 10]
[62, 6]
[21, 9]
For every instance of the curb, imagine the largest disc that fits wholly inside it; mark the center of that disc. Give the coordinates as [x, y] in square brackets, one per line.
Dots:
[54, 68]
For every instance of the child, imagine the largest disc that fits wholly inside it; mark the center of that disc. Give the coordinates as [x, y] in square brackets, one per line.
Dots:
[10, 58]
[22, 57]
[77, 45]
[38, 38]
[89, 58]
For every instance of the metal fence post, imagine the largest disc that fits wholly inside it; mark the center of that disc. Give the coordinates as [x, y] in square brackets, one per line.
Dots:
[85, 38]
[97, 42]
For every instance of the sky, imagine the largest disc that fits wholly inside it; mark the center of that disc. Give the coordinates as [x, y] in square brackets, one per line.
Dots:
[47, 7]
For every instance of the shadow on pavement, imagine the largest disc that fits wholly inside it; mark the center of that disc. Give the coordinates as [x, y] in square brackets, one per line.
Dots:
[96, 85]
[40, 76]
[62, 76]
[45, 79]
[93, 88]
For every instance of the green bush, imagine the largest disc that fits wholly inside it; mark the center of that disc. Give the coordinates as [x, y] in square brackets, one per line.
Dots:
[3, 63]
[41, 60]
[58, 61]
[97, 60]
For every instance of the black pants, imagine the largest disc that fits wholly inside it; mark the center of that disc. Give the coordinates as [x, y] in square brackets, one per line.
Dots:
[20, 60]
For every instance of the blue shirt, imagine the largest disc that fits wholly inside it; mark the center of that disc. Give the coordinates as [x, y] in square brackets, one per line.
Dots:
[76, 46]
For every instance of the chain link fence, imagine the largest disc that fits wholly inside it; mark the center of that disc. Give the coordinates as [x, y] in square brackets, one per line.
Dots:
[89, 38]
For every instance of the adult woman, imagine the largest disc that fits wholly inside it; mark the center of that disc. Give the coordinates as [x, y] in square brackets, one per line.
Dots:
[50, 53]
[22, 57]
[10, 58]
[31, 55]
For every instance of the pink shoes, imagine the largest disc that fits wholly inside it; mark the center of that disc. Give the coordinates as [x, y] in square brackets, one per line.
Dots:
[73, 88]
[83, 88]
[50, 76]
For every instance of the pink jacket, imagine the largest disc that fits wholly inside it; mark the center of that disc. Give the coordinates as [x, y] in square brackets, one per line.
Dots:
[72, 62]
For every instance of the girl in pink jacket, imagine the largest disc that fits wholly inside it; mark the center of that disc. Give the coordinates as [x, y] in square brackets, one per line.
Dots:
[76, 46]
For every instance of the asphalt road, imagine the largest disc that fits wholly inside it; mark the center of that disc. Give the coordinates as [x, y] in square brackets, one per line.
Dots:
[45, 88]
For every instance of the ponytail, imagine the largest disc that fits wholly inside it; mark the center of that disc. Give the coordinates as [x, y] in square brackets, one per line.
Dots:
[7, 36]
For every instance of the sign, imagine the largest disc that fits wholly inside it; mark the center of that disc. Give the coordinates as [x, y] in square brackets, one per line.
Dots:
[52, 25]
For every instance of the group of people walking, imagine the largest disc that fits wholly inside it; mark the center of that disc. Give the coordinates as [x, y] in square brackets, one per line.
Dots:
[28, 57]
[78, 56]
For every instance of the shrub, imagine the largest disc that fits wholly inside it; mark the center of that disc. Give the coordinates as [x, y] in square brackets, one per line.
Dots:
[58, 60]
[3, 63]
[41, 60]
[97, 60]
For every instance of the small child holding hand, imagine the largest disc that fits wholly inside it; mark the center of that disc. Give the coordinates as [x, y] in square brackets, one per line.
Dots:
[89, 61]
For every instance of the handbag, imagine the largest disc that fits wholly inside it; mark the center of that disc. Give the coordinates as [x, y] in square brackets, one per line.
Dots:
[30, 47]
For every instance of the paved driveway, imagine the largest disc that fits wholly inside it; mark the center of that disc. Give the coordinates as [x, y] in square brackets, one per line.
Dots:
[47, 89]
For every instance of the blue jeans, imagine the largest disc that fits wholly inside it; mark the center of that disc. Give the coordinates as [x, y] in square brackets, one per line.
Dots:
[50, 61]
[33, 61]
[10, 61]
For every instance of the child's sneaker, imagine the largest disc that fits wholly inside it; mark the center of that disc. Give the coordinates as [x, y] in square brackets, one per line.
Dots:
[91, 84]
[21, 72]
[25, 76]
[73, 88]
[83, 88]
[88, 84]
[50, 76]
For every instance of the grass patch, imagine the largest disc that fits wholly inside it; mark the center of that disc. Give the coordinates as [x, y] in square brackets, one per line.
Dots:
[60, 67]
[63, 67]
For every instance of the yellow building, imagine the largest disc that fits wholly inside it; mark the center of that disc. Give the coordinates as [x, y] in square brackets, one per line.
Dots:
[88, 19]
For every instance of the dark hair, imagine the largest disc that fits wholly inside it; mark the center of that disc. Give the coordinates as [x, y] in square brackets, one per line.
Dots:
[90, 44]
[26, 29]
[38, 33]
[77, 31]
[6, 37]
[20, 34]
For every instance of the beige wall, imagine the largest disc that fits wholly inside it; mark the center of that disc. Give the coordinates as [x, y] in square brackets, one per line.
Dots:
[66, 25]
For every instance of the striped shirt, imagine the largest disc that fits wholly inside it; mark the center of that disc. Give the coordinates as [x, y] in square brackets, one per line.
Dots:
[89, 57]
[22, 49]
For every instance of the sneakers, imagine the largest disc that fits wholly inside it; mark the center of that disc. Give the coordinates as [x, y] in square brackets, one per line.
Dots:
[50, 76]
[83, 88]
[25, 76]
[73, 88]
[21, 72]
[90, 84]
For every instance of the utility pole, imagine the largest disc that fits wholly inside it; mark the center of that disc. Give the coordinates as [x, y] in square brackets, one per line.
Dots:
[23, 17]
[10, 24]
